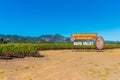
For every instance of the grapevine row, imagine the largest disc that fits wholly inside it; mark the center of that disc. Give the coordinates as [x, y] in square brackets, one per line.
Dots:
[31, 49]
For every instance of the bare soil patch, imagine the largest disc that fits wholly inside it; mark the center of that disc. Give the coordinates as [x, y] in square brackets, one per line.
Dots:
[64, 65]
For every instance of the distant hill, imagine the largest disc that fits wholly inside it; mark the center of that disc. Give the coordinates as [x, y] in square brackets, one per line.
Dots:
[47, 38]
[53, 38]
[108, 41]
[56, 38]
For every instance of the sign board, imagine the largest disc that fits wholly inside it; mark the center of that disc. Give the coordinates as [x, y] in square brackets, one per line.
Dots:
[86, 39]
[84, 36]
[100, 43]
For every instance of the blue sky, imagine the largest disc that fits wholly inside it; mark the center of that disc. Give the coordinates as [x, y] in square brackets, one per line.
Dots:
[37, 17]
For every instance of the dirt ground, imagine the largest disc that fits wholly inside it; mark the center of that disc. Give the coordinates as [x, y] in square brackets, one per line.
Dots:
[64, 65]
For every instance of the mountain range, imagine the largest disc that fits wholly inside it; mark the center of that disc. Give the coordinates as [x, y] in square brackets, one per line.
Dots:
[47, 38]
[56, 38]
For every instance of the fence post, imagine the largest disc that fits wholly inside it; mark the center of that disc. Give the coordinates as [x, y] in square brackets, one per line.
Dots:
[6, 54]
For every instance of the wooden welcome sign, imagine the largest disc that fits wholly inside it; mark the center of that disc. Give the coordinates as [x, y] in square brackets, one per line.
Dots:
[85, 39]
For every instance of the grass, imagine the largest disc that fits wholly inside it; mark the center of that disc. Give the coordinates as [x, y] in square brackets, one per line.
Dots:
[2, 72]
[30, 79]
[96, 65]
[99, 73]
[26, 67]
[2, 78]
[103, 74]
[18, 69]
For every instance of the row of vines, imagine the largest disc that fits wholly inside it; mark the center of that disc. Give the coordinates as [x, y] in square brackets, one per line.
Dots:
[31, 49]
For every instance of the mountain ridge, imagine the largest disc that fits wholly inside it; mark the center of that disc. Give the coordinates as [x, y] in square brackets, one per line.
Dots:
[56, 38]
[47, 38]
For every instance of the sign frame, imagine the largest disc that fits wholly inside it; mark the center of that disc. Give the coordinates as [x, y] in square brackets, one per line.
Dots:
[88, 36]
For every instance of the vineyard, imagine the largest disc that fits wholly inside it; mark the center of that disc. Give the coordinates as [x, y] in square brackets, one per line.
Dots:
[22, 50]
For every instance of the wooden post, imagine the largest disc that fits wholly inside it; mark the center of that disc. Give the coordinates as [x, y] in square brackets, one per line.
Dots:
[72, 47]
[6, 54]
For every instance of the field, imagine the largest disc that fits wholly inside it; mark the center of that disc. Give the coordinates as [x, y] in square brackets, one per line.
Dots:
[23, 50]
[64, 65]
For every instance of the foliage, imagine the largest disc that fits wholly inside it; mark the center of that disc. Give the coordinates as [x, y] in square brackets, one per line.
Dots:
[28, 39]
[29, 48]
[18, 50]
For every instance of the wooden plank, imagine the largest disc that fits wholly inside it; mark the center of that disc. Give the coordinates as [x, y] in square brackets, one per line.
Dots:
[84, 36]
